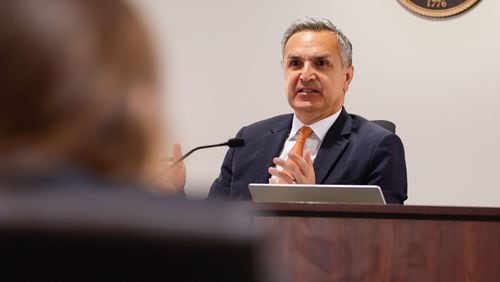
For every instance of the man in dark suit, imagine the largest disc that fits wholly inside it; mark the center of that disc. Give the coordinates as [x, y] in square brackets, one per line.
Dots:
[320, 142]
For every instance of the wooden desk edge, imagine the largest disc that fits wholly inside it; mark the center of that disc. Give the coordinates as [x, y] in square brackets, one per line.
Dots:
[373, 211]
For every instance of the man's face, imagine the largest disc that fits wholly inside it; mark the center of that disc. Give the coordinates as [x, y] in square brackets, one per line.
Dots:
[315, 78]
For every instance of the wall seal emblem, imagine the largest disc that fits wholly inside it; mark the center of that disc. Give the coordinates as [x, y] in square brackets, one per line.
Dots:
[438, 8]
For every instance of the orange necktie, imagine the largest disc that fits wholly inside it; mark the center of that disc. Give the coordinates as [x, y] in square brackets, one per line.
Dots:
[298, 148]
[304, 133]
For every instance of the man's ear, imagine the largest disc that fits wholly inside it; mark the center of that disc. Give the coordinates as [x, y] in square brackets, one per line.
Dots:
[349, 74]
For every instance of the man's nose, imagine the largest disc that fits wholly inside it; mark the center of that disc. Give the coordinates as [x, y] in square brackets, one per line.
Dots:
[308, 73]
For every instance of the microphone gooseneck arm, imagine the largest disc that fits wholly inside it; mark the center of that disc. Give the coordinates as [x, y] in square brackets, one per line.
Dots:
[194, 150]
[232, 143]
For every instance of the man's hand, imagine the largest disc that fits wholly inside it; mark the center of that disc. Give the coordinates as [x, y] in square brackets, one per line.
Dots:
[177, 174]
[173, 180]
[296, 170]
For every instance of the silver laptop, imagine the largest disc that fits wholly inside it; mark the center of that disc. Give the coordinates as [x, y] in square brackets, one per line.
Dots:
[308, 193]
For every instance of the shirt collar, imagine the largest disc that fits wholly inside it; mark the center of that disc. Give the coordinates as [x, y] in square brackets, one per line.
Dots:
[320, 128]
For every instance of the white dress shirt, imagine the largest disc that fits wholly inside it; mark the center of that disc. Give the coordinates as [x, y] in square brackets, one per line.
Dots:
[313, 142]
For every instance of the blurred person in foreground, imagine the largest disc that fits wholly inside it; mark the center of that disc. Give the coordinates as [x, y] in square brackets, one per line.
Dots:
[335, 147]
[79, 138]
[78, 85]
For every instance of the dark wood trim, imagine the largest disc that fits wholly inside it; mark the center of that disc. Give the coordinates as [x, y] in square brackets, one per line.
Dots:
[374, 211]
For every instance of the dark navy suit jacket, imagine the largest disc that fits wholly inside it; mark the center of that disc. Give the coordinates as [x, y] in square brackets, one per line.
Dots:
[354, 151]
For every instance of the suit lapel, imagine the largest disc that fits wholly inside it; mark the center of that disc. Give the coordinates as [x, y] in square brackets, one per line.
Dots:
[271, 146]
[333, 146]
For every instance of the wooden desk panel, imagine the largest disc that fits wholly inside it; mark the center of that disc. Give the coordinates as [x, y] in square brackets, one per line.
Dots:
[381, 243]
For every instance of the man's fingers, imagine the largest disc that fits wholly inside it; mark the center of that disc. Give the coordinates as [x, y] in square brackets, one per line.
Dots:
[308, 157]
[296, 169]
[281, 175]
[291, 168]
[302, 165]
[177, 152]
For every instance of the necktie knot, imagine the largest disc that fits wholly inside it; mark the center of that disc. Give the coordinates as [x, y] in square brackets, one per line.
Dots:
[304, 133]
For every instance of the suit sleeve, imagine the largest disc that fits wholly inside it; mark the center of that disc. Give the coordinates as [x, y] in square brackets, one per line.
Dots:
[221, 187]
[388, 169]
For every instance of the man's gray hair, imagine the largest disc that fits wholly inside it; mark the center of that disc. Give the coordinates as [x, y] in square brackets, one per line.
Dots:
[320, 24]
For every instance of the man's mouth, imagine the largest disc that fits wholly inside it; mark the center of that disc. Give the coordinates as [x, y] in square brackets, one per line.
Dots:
[307, 90]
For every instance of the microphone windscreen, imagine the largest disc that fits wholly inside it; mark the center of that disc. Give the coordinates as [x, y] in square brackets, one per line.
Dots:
[236, 142]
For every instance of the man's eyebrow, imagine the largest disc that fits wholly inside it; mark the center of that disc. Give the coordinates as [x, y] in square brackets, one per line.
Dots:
[322, 57]
[318, 57]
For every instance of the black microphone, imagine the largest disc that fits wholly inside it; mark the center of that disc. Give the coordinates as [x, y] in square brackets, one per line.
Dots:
[232, 143]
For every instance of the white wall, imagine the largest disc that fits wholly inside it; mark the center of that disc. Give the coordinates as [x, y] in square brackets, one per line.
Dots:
[439, 80]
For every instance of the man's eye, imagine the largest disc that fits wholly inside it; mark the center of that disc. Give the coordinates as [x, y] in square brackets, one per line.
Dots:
[322, 63]
[294, 63]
